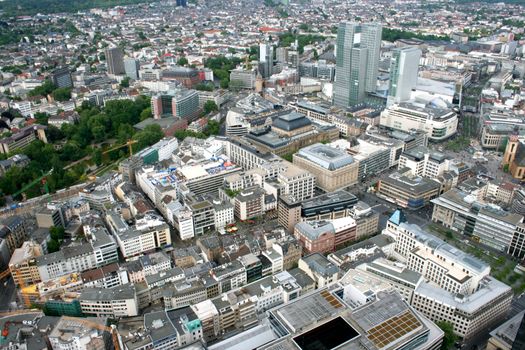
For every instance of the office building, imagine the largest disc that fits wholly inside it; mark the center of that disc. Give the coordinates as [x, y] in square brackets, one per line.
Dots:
[408, 191]
[61, 78]
[436, 120]
[115, 61]
[423, 162]
[249, 203]
[459, 288]
[403, 74]
[333, 205]
[265, 60]
[243, 78]
[332, 168]
[146, 235]
[182, 3]
[357, 59]
[119, 301]
[486, 223]
[185, 105]
[382, 321]
[131, 67]
[497, 124]
[186, 76]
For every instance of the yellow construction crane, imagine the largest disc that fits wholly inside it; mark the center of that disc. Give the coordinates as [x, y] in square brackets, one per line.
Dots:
[129, 143]
[98, 326]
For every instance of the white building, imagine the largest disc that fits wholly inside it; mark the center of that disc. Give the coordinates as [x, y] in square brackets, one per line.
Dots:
[71, 333]
[435, 119]
[120, 301]
[423, 162]
[146, 235]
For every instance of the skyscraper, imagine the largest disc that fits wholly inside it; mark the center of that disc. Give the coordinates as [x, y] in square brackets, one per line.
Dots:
[115, 61]
[357, 60]
[265, 60]
[131, 66]
[182, 3]
[403, 74]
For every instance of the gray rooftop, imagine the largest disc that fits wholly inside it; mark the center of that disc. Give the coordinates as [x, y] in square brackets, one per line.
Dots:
[325, 156]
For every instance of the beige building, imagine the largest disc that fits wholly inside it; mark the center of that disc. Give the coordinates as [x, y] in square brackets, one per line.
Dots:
[332, 168]
[288, 212]
[23, 266]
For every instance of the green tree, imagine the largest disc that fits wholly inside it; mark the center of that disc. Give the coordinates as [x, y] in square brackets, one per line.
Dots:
[210, 106]
[41, 118]
[62, 94]
[43, 90]
[150, 135]
[450, 337]
[57, 233]
[225, 83]
[213, 127]
[125, 82]
[53, 246]
[145, 114]
[182, 61]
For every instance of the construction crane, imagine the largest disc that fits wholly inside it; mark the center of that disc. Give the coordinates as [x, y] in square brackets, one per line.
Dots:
[4, 274]
[129, 143]
[41, 179]
[96, 325]
[22, 285]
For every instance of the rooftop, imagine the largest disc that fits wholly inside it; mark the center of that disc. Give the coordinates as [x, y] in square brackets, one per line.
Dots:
[325, 156]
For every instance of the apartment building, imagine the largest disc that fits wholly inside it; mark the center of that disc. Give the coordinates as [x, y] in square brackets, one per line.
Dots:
[320, 269]
[249, 203]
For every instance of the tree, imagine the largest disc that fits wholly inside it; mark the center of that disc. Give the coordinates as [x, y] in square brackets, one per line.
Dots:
[62, 94]
[225, 83]
[125, 82]
[182, 61]
[43, 90]
[53, 246]
[145, 114]
[210, 106]
[41, 118]
[149, 136]
[213, 127]
[57, 233]
[450, 337]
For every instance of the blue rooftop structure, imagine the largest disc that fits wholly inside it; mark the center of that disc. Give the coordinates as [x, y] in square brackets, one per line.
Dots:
[398, 217]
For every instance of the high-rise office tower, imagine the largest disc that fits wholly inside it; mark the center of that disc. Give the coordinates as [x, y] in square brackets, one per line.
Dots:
[131, 66]
[182, 3]
[357, 60]
[61, 77]
[403, 73]
[265, 60]
[281, 54]
[115, 61]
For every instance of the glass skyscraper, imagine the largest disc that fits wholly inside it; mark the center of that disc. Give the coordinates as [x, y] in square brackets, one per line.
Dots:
[357, 59]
